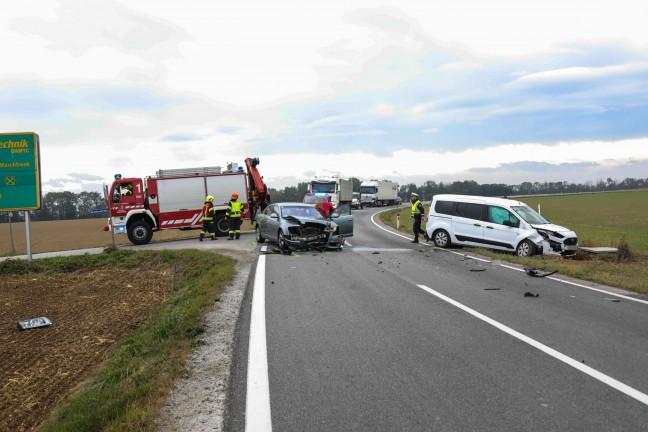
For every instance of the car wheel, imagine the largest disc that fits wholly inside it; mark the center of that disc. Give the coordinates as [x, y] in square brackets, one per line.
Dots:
[441, 239]
[139, 233]
[259, 237]
[281, 241]
[525, 248]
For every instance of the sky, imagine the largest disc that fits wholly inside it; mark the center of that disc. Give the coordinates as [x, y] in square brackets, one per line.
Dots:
[500, 91]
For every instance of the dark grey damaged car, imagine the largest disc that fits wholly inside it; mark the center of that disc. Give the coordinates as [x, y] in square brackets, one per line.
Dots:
[299, 226]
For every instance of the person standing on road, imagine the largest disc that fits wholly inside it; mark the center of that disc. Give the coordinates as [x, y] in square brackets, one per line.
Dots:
[326, 207]
[234, 212]
[418, 213]
[208, 218]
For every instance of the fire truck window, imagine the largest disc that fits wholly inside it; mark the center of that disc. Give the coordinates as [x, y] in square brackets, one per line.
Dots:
[126, 189]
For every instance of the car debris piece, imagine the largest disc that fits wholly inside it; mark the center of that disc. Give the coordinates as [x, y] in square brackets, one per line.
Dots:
[478, 270]
[491, 289]
[530, 294]
[613, 300]
[538, 272]
[33, 323]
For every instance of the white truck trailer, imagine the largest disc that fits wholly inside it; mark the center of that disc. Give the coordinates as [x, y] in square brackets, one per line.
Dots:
[378, 192]
[340, 190]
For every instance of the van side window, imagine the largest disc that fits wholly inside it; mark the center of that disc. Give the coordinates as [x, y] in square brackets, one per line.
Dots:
[469, 210]
[498, 215]
[443, 207]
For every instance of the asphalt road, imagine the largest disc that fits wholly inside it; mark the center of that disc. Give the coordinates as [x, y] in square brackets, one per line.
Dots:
[390, 336]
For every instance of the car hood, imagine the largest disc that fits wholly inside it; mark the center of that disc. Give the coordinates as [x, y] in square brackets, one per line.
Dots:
[297, 220]
[555, 228]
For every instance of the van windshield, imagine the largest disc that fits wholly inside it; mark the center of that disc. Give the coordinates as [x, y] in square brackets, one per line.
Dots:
[529, 215]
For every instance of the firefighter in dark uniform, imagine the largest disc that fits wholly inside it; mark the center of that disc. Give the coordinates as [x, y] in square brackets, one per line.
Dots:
[208, 218]
[418, 212]
[234, 212]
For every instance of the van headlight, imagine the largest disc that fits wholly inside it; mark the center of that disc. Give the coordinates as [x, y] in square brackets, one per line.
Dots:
[546, 233]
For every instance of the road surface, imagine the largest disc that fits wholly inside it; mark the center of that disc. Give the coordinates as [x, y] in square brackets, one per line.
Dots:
[391, 336]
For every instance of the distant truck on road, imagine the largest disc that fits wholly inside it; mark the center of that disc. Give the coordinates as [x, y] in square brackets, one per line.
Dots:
[377, 193]
[340, 190]
[174, 198]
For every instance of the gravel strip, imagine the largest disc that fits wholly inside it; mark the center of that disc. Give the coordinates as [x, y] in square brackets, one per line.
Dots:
[198, 400]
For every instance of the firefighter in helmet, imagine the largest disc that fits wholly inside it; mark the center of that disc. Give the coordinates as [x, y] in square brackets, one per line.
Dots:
[208, 218]
[234, 212]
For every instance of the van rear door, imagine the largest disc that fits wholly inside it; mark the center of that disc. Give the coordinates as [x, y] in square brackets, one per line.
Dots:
[467, 223]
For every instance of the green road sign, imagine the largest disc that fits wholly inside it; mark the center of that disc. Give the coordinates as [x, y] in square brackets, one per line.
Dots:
[20, 187]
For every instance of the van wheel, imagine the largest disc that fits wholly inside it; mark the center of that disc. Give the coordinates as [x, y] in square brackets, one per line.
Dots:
[441, 239]
[525, 248]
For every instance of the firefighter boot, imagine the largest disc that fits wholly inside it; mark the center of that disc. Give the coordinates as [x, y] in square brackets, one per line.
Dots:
[214, 237]
[231, 236]
[238, 236]
[201, 236]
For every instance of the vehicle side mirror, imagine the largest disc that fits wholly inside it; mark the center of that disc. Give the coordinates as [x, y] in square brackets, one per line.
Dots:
[335, 215]
[274, 215]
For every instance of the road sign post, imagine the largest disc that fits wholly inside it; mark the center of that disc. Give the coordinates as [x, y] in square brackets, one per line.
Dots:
[20, 187]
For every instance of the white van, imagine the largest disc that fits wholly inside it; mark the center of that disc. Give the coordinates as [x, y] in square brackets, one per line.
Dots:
[496, 223]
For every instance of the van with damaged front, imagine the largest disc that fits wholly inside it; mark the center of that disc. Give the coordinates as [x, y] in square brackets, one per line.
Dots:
[496, 223]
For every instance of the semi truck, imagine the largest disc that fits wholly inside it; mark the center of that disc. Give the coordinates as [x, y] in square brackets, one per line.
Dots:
[340, 190]
[173, 198]
[378, 192]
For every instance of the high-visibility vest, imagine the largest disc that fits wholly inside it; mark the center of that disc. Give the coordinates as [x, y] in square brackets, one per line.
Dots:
[415, 209]
[234, 209]
[208, 212]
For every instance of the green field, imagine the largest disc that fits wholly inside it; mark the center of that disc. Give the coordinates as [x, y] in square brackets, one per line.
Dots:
[600, 219]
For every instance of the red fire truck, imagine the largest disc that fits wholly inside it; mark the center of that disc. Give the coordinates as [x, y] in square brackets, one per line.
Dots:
[174, 199]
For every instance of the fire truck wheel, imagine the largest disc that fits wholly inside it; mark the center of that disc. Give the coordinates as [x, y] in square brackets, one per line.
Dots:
[222, 225]
[139, 233]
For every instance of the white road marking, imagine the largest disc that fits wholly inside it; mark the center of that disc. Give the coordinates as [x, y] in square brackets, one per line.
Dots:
[257, 411]
[511, 267]
[618, 385]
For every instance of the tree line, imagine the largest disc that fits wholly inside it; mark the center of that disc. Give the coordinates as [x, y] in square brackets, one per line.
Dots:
[70, 205]
[63, 205]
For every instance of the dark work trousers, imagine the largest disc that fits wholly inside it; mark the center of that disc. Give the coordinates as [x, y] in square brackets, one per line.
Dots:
[235, 227]
[417, 227]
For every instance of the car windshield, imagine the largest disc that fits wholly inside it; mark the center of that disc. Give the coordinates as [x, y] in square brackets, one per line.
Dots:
[368, 189]
[301, 211]
[529, 215]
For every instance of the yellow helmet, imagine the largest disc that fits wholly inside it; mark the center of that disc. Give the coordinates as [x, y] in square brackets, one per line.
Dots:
[234, 195]
[209, 198]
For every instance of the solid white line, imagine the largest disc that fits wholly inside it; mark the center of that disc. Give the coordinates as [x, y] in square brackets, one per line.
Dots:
[257, 410]
[633, 393]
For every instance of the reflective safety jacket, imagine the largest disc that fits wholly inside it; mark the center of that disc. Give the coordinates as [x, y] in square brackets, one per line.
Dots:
[234, 209]
[417, 208]
[208, 211]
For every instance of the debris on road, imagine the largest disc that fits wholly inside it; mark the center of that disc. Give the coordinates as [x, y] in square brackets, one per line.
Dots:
[538, 272]
[491, 289]
[530, 294]
[478, 270]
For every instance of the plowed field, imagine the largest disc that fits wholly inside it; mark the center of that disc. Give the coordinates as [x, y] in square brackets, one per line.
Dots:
[89, 312]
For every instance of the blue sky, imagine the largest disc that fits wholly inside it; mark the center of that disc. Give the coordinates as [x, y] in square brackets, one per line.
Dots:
[503, 91]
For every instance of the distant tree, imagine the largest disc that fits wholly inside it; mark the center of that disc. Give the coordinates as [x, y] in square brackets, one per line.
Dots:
[356, 184]
[88, 201]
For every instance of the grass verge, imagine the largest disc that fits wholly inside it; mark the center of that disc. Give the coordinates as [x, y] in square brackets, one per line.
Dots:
[631, 274]
[127, 391]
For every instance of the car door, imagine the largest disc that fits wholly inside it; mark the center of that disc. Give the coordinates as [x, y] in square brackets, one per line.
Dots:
[501, 228]
[344, 223]
[467, 224]
[270, 222]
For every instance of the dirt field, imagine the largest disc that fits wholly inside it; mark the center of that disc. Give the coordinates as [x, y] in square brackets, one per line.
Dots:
[89, 312]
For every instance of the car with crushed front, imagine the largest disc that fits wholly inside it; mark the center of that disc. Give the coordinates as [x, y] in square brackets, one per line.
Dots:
[300, 226]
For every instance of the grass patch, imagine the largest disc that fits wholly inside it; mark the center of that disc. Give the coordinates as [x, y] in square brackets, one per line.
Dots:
[127, 391]
[627, 270]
